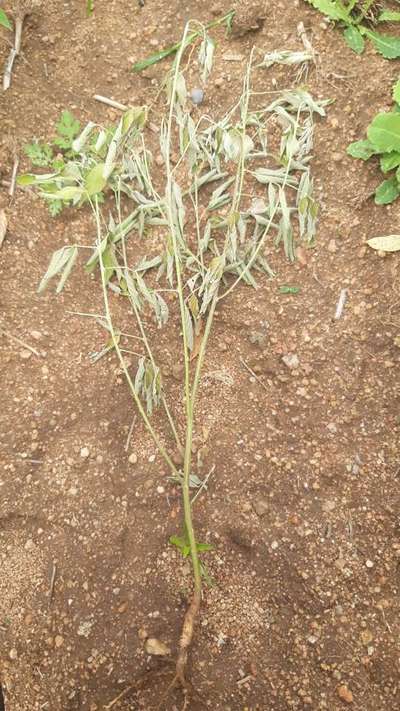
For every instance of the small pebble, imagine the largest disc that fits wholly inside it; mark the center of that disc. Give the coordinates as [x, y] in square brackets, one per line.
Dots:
[261, 506]
[291, 360]
[85, 452]
[132, 458]
[197, 96]
[36, 335]
[25, 354]
[13, 654]
[58, 640]
[160, 490]
[345, 694]
[156, 647]
[369, 563]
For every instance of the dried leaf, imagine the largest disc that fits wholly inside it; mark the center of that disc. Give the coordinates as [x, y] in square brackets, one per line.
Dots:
[3, 226]
[386, 243]
[198, 338]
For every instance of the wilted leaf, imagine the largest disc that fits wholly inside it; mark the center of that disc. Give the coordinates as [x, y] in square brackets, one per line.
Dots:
[3, 226]
[95, 180]
[387, 243]
[63, 258]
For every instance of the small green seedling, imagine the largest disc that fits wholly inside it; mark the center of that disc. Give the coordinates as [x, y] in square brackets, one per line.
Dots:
[383, 140]
[289, 289]
[4, 21]
[359, 18]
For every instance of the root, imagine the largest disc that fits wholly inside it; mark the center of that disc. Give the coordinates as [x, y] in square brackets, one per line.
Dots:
[185, 642]
[186, 638]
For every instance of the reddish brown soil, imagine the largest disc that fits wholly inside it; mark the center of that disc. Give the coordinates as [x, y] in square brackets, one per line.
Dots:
[306, 596]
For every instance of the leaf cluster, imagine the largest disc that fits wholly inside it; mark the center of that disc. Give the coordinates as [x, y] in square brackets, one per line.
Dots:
[383, 141]
[82, 161]
[359, 21]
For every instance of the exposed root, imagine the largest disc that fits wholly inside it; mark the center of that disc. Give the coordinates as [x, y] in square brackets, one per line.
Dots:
[179, 680]
[186, 638]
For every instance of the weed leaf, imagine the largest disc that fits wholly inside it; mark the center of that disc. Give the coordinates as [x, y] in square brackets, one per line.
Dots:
[361, 149]
[384, 132]
[387, 191]
[332, 9]
[396, 92]
[67, 129]
[4, 21]
[389, 16]
[389, 161]
[387, 45]
[354, 39]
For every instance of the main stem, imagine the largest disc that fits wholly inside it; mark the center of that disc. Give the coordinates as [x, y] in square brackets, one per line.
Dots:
[187, 509]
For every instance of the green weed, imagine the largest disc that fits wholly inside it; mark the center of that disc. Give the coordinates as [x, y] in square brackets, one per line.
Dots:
[359, 19]
[383, 141]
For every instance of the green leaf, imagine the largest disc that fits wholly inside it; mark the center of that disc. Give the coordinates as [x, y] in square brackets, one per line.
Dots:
[4, 21]
[361, 149]
[89, 7]
[94, 181]
[40, 154]
[289, 289]
[384, 132]
[387, 45]
[55, 207]
[389, 16]
[332, 9]
[154, 58]
[389, 161]
[67, 128]
[387, 191]
[386, 243]
[396, 92]
[354, 39]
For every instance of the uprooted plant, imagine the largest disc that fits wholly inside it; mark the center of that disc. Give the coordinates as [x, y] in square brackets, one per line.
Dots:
[210, 236]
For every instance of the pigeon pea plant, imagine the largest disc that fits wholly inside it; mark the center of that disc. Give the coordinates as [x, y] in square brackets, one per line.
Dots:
[214, 236]
[359, 19]
[383, 140]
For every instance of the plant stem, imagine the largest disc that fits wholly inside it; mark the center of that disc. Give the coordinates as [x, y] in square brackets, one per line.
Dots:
[188, 398]
[136, 398]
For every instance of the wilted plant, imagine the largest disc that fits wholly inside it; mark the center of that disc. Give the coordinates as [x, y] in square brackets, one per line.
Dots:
[211, 242]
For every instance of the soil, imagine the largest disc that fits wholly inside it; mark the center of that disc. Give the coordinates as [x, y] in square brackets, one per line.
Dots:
[303, 504]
